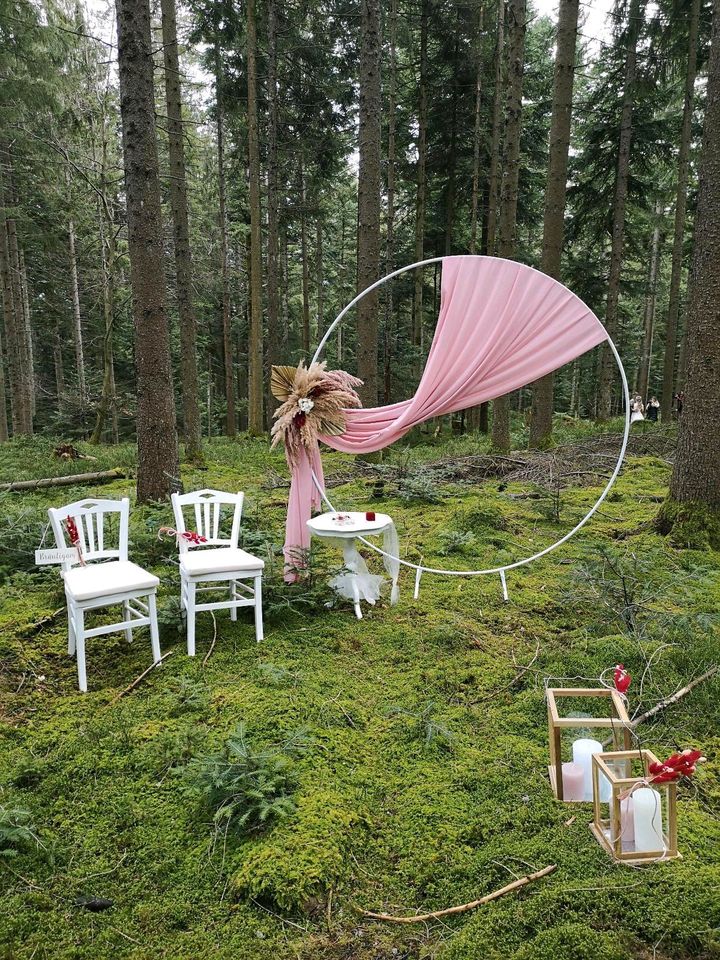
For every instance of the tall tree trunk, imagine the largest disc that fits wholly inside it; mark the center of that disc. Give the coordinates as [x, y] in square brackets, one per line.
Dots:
[417, 314]
[555, 191]
[342, 274]
[256, 422]
[26, 372]
[607, 363]
[58, 367]
[695, 480]
[643, 376]
[368, 239]
[106, 231]
[477, 135]
[671, 319]
[77, 317]
[4, 434]
[494, 170]
[230, 415]
[319, 277]
[27, 326]
[181, 235]
[14, 353]
[451, 161]
[273, 308]
[511, 173]
[575, 389]
[158, 470]
[496, 135]
[390, 214]
[240, 307]
[305, 267]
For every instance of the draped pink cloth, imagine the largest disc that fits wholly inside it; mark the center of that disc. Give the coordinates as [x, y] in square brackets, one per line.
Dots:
[502, 325]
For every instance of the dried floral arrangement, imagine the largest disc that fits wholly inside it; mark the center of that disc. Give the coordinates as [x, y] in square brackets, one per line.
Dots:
[312, 404]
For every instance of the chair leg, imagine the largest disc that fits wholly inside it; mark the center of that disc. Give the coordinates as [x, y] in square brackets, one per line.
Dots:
[80, 648]
[183, 599]
[233, 596]
[190, 600]
[71, 628]
[258, 609]
[126, 616]
[154, 632]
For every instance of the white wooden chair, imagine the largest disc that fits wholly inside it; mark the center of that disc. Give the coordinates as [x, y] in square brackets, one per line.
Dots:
[114, 581]
[218, 560]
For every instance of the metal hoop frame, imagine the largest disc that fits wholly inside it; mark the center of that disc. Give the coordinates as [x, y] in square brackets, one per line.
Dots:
[502, 570]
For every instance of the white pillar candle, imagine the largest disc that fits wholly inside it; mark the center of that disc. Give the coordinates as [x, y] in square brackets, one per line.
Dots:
[627, 822]
[583, 751]
[573, 782]
[647, 820]
[627, 825]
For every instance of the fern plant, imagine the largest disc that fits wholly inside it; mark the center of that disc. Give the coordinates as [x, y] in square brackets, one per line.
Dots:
[247, 787]
[425, 727]
[16, 831]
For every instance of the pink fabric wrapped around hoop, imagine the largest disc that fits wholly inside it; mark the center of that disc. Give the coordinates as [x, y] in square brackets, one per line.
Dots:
[502, 325]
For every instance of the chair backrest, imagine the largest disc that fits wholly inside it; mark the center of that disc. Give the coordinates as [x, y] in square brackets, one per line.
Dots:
[210, 511]
[97, 541]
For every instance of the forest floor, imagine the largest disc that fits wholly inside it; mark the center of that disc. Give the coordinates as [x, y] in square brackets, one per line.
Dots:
[423, 782]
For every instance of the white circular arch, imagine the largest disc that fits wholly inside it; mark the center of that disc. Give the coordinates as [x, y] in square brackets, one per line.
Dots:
[501, 570]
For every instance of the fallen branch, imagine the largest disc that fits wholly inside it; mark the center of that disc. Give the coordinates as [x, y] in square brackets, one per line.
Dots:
[463, 908]
[214, 641]
[139, 679]
[102, 477]
[668, 701]
[34, 628]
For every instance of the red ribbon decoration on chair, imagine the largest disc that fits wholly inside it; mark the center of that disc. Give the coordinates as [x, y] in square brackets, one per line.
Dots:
[189, 535]
[74, 537]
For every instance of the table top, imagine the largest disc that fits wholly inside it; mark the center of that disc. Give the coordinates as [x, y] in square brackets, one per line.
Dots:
[327, 524]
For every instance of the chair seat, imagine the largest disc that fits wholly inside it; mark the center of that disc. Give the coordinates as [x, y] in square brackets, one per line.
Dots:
[222, 560]
[105, 579]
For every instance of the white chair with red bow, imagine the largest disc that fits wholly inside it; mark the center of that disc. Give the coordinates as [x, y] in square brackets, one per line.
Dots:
[211, 560]
[102, 575]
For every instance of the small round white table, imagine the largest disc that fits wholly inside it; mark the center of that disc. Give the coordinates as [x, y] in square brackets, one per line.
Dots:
[342, 530]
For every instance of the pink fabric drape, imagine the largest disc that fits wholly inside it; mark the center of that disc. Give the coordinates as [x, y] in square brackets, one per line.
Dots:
[502, 325]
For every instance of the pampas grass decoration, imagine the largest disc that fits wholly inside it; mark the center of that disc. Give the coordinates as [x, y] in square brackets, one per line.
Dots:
[313, 401]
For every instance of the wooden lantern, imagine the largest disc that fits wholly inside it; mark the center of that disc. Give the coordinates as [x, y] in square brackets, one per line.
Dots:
[618, 824]
[615, 719]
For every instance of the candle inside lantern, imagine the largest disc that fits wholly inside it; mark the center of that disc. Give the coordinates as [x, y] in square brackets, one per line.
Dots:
[583, 751]
[627, 824]
[647, 820]
[573, 782]
[627, 821]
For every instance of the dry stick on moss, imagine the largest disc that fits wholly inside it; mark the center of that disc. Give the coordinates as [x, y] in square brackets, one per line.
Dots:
[32, 629]
[668, 701]
[214, 640]
[139, 679]
[68, 481]
[463, 908]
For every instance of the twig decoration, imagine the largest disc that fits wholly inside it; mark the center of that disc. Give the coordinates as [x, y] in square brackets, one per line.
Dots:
[678, 695]
[214, 640]
[139, 679]
[464, 907]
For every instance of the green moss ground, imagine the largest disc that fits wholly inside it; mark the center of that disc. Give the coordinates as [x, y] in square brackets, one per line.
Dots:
[384, 819]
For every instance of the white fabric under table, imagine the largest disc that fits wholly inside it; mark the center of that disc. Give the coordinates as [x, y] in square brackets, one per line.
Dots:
[358, 583]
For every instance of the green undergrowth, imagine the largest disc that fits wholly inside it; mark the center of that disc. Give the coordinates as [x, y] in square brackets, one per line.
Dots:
[423, 779]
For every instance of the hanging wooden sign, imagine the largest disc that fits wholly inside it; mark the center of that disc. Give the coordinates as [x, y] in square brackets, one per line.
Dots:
[45, 557]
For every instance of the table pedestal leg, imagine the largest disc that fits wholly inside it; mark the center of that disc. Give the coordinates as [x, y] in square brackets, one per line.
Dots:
[356, 565]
